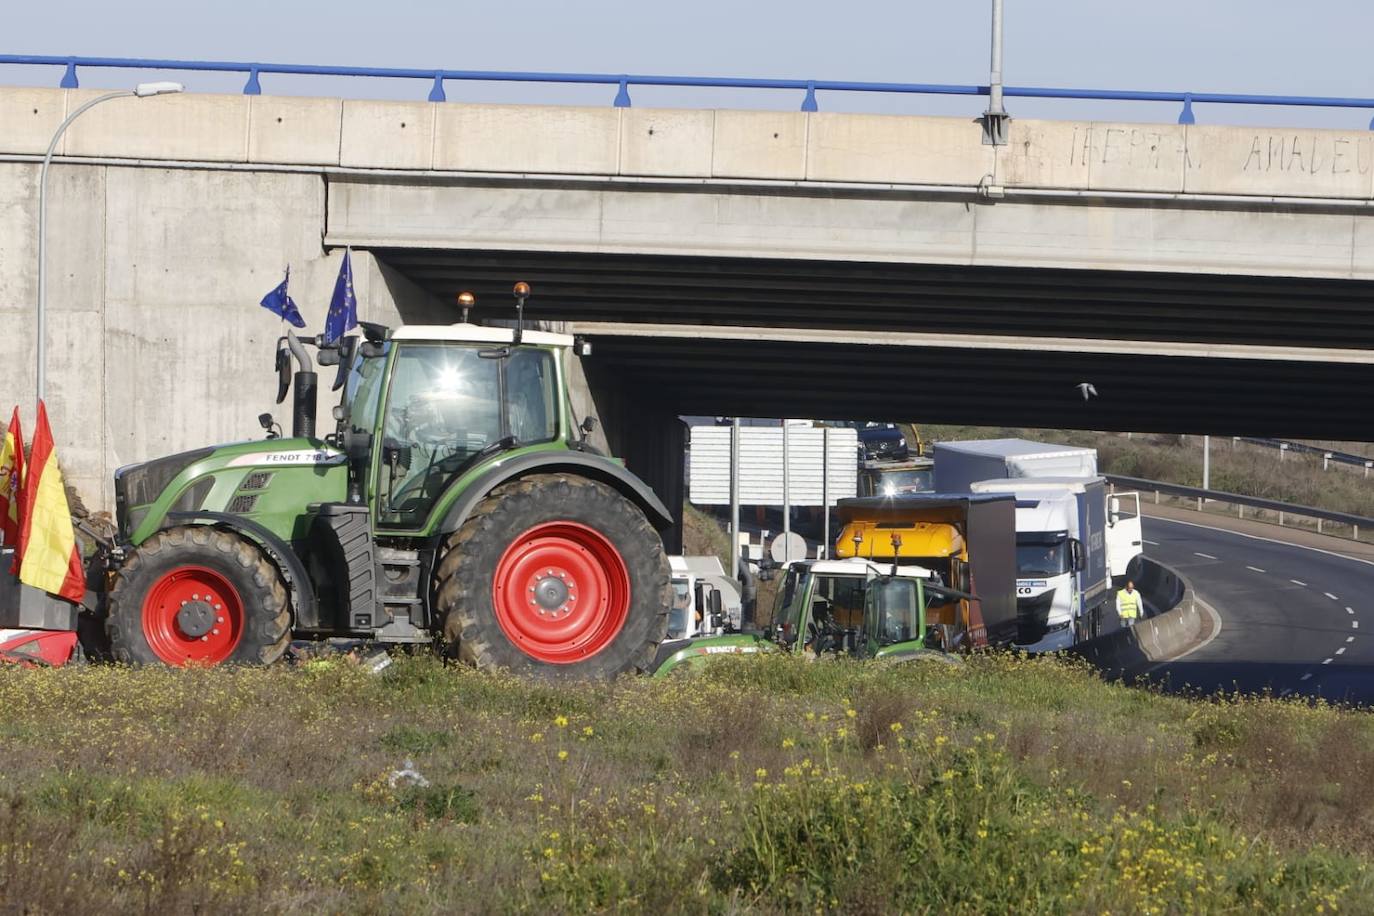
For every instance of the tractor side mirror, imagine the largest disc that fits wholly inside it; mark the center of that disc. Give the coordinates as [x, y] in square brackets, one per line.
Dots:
[266, 422]
[589, 425]
[328, 356]
[344, 360]
[283, 368]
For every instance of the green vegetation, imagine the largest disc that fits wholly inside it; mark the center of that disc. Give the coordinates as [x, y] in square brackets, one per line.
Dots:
[703, 535]
[765, 784]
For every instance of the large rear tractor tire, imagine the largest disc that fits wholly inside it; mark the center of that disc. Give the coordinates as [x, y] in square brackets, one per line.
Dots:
[198, 596]
[558, 576]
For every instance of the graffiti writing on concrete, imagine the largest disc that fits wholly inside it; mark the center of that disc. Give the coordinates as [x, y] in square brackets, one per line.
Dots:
[1131, 147]
[1313, 155]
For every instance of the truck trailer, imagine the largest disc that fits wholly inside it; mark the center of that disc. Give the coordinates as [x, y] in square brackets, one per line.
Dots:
[958, 465]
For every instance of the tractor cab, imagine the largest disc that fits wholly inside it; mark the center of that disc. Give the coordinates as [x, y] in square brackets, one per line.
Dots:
[422, 405]
[853, 607]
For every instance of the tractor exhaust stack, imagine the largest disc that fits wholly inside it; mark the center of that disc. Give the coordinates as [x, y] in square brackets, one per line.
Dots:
[306, 383]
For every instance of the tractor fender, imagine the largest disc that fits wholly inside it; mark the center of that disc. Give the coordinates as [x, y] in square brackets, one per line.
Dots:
[583, 464]
[307, 613]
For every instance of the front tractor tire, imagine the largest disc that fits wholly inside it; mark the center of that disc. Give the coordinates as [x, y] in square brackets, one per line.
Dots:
[198, 595]
[558, 576]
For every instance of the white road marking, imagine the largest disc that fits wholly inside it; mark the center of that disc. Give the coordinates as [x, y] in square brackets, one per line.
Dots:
[1350, 610]
[1327, 661]
[1331, 596]
[1355, 624]
[1350, 639]
[1150, 542]
[1256, 537]
[1254, 569]
[1341, 650]
[1298, 582]
[1205, 556]
[1306, 677]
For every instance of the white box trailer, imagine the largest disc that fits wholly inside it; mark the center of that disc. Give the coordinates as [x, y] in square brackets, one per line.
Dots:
[958, 465]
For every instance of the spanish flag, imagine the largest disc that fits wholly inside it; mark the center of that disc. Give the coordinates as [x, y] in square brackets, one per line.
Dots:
[49, 557]
[11, 485]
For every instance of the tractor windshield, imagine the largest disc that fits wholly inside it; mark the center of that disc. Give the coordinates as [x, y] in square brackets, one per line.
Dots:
[445, 406]
[892, 611]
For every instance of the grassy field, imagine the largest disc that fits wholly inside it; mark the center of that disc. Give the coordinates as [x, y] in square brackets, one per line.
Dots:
[767, 784]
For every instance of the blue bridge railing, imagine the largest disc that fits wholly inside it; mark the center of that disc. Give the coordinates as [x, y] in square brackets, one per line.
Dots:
[623, 81]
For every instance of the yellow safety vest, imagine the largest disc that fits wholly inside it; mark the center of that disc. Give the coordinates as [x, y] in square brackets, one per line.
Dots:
[1128, 604]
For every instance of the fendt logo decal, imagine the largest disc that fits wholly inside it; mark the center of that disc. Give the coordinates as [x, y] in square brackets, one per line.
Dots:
[307, 456]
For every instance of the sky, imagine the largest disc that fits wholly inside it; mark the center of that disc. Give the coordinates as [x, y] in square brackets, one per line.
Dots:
[1247, 46]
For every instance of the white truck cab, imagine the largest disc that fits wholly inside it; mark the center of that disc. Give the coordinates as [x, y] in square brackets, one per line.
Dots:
[706, 602]
[1063, 585]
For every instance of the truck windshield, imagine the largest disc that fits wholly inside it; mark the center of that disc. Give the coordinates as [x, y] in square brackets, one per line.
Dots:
[1042, 557]
[680, 615]
[895, 483]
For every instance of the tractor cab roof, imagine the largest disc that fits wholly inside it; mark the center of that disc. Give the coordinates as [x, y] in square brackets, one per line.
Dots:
[478, 334]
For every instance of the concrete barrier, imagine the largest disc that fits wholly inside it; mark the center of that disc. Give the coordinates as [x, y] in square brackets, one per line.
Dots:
[1179, 623]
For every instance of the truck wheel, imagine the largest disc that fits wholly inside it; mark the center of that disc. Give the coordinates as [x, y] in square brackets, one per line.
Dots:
[555, 575]
[198, 596]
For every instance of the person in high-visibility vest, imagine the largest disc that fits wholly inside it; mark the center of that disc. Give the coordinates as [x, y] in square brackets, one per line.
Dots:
[1128, 605]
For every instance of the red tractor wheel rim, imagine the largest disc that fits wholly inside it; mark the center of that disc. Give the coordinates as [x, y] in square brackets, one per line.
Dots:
[193, 615]
[561, 592]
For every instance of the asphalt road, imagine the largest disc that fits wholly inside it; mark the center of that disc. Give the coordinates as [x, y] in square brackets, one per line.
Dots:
[1295, 620]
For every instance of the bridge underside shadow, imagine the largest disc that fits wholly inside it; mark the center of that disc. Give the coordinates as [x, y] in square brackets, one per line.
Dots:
[990, 388]
[980, 346]
[947, 344]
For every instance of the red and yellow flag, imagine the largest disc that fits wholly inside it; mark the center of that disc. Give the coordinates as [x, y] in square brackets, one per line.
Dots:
[12, 486]
[49, 557]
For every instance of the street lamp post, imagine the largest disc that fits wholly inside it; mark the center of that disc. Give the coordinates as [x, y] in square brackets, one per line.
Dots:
[141, 91]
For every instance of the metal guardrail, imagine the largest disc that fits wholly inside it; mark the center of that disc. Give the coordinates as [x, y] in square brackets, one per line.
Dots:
[1327, 455]
[1243, 502]
[623, 82]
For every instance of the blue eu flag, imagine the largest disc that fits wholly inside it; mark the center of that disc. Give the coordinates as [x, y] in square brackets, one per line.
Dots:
[343, 308]
[279, 303]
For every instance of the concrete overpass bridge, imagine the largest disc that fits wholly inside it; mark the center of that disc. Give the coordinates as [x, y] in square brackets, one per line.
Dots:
[1205, 279]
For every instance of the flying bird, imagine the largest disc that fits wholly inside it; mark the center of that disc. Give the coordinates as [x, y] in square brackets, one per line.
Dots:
[1087, 390]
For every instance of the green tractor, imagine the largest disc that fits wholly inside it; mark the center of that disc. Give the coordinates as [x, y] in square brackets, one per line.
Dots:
[457, 500]
[832, 608]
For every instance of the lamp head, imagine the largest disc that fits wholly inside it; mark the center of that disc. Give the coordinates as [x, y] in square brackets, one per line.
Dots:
[466, 301]
[143, 90]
